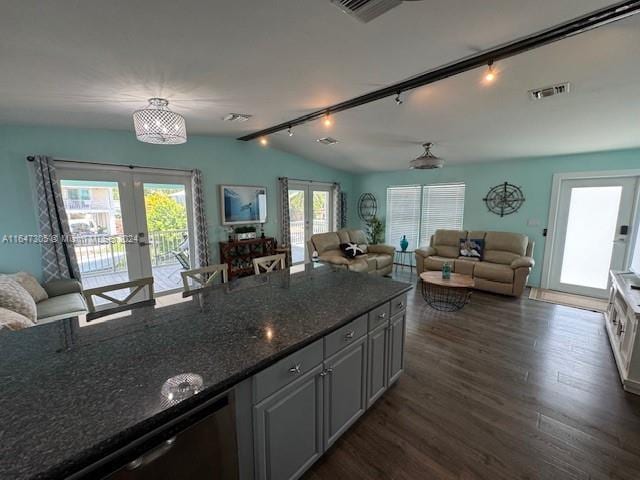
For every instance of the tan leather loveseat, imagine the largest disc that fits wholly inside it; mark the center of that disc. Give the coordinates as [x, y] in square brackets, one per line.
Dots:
[504, 268]
[377, 259]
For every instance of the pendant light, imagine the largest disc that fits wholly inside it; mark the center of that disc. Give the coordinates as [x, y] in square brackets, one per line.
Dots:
[157, 124]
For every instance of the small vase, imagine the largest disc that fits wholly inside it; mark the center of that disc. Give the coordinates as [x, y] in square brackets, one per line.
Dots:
[446, 271]
[404, 243]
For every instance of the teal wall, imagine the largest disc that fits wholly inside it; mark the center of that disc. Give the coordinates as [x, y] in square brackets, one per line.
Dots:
[222, 161]
[534, 175]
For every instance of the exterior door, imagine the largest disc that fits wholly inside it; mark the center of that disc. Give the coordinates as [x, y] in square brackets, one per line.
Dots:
[592, 234]
[128, 225]
[310, 212]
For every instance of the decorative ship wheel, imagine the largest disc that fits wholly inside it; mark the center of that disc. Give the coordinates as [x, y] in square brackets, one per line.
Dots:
[504, 199]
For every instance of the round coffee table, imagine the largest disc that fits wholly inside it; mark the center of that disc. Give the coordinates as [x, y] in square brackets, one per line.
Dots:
[446, 295]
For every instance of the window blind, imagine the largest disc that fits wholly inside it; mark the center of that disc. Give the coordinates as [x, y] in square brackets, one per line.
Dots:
[403, 215]
[418, 211]
[442, 208]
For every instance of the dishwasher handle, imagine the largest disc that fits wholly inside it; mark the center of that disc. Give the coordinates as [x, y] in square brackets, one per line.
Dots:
[152, 455]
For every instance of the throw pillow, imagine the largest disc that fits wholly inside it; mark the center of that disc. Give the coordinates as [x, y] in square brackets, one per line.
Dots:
[15, 298]
[351, 250]
[13, 321]
[30, 284]
[472, 248]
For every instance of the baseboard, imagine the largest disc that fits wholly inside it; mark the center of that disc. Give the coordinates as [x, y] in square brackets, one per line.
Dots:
[631, 386]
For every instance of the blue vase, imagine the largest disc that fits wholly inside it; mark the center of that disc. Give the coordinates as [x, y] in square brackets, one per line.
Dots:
[404, 243]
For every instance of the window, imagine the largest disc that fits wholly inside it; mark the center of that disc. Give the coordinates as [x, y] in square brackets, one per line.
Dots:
[418, 211]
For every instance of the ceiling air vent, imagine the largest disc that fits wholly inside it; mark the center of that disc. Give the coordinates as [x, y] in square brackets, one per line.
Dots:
[366, 10]
[236, 117]
[327, 141]
[540, 93]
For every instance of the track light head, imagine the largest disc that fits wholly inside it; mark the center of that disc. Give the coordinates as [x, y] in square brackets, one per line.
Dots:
[290, 132]
[328, 121]
[263, 141]
[490, 76]
[398, 99]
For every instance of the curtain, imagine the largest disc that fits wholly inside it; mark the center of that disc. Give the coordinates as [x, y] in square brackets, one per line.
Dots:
[339, 207]
[201, 240]
[58, 255]
[285, 233]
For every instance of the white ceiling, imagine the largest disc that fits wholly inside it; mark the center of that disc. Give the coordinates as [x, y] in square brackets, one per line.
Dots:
[91, 63]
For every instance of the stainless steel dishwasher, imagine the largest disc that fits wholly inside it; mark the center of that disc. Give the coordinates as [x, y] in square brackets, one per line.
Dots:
[206, 449]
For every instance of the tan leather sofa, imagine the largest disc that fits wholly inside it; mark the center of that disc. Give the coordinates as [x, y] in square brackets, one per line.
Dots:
[504, 268]
[378, 259]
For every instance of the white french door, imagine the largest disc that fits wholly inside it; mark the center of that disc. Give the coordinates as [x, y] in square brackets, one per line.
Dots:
[592, 233]
[310, 212]
[128, 224]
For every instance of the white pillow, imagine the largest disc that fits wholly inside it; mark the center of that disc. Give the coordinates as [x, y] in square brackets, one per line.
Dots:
[31, 285]
[13, 321]
[15, 298]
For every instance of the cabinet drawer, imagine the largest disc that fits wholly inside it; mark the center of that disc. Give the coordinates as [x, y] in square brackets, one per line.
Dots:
[344, 336]
[398, 304]
[379, 316]
[287, 370]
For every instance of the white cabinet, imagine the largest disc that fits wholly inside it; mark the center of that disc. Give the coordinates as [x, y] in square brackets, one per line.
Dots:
[621, 320]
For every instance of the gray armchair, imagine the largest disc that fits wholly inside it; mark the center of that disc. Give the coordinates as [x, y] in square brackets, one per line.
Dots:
[65, 301]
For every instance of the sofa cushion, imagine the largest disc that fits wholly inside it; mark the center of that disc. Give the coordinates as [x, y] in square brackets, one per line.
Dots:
[15, 298]
[358, 236]
[359, 265]
[447, 242]
[435, 262]
[504, 247]
[326, 241]
[382, 259]
[30, 284]
[465, 266]
[13, 321]
[335, 257]
[493, 271]
[63, 306]
[343, 235]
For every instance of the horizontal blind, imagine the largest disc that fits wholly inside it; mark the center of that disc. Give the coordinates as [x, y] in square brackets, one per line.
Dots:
[403, 215]
[442, 208]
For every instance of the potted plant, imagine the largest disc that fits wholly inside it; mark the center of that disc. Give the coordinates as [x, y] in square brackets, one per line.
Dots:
[375, 231]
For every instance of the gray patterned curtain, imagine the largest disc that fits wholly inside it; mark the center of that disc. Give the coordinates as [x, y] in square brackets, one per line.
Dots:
[340, 207]
[58, 255]
[285, 233]
[201, 240]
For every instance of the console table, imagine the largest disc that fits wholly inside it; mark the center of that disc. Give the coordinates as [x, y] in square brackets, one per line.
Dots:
[239, 255]
[621, 320]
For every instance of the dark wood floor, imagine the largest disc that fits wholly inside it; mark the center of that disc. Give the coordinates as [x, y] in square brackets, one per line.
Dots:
[504, 389]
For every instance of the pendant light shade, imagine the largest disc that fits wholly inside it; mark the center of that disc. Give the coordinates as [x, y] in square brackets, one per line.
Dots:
[158, 124]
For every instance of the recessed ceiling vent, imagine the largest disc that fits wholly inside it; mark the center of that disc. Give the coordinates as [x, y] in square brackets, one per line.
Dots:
[327, 141]
[559, 89]
[366, 10]
[236, 117]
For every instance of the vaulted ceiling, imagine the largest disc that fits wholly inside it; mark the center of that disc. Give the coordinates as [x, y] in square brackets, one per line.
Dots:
[90, 63]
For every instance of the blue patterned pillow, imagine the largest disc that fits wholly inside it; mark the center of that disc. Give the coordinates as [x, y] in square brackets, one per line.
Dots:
[472, 248]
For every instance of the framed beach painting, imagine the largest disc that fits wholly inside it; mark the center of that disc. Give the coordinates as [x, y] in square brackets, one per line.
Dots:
[243, 204]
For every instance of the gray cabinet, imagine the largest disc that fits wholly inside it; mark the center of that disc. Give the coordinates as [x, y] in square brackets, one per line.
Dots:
[378, 361]
[344, 389]
[288, 428]
[396, 346]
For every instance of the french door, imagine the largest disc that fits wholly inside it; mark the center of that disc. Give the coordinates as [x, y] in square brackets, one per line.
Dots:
[592, 233]
[310, 212]
[128, 225]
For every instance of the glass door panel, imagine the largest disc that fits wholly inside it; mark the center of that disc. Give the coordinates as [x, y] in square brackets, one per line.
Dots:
[167, 233]
[321, 211]
[297, 223]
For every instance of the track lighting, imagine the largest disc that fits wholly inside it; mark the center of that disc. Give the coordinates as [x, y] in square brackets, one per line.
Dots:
[328, 121]
[398, 99]
[490, 76]
[290, 132]
[263, 141]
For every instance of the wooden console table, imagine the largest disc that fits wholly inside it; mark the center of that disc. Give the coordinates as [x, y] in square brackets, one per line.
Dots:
[239, 255]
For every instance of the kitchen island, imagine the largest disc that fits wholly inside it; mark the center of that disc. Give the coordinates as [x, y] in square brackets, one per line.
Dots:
[80, 401]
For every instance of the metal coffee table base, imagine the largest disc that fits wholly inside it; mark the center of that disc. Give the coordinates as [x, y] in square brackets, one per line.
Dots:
[445, 299]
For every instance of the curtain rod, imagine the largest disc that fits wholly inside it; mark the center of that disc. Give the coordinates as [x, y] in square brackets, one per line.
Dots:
[309, 181]
[31, 158]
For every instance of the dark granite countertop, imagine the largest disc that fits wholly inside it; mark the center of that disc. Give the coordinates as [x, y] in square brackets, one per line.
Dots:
[71, 394]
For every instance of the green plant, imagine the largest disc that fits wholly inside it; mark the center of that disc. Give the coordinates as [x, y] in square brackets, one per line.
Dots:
[375, 231]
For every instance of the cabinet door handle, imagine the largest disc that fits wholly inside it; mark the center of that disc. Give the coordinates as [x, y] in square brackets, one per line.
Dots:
[329, 370]
[400, 304]
[349, 335]
[382, 315]
[295, 369]
[151, 456]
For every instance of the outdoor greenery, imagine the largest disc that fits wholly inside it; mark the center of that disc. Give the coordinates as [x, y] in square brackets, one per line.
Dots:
[296, 204]
[163, 212]
[375, 231]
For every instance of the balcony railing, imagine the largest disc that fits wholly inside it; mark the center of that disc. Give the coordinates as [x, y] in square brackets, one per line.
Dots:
[91, 204]
[99, 254]
[297, 229]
